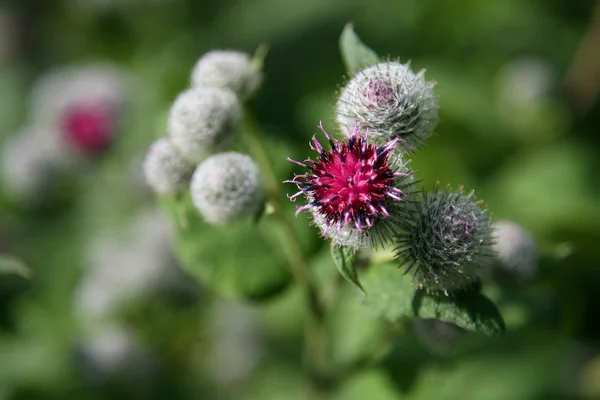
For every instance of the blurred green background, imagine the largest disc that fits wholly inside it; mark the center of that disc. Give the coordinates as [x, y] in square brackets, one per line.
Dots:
[518, 83]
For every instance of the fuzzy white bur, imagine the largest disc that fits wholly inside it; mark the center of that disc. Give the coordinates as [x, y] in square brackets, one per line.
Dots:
[227, 187]
[228, 69]
[391, 101]
[165, 170]
[203, 121]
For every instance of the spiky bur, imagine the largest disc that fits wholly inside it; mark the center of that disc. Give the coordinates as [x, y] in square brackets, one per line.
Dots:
[227, 187]
[391, 101]
[355, 190]
[447, 243]
[517, 253]
[227, 69]
[202, 121]
[165, 170]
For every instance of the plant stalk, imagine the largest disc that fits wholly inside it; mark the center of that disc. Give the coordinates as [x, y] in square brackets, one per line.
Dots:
[314, 329]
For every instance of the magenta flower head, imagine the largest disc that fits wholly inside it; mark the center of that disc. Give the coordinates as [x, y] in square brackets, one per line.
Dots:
[354, 190]
[83, 103]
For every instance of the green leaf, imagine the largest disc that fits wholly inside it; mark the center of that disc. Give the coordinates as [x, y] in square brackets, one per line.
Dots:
[354, 335]
[390, 291]
[392, 295]
[240, 260]
[343, 258]
[355, 54]
[374, 384]
[11, 265]
[258, 58]
[534, 364]
[469, 310]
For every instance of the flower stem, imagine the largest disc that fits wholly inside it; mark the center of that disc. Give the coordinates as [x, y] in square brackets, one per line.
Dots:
[314, 331]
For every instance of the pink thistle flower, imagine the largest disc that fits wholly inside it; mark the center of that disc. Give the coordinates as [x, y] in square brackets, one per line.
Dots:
[89, 128]
[83, 104]
[354, 188]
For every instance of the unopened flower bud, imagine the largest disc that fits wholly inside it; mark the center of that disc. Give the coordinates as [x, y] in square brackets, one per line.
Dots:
[165, 170]
[516, 253]
[447, 243]
[227, 69]
[202, 121]
[227, 187]
[355, 191]
[392, 101]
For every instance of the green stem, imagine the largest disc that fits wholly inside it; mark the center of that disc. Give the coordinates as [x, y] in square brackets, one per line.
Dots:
[314, 332]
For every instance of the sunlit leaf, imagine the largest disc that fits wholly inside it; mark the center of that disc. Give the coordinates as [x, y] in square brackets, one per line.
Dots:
[343, 258]
[390, 291]
[355, 54]
[242, 260]
[469, 310]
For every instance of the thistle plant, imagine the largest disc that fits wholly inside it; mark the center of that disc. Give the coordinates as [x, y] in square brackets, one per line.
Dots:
[186, 215]
[419, 255]
[75, 116]
[352, 189]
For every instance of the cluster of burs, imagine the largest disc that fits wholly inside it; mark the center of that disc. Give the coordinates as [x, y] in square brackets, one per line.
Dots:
[225, 186]
[361, 192]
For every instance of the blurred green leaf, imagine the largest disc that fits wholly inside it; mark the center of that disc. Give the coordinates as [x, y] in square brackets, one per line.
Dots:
[392, 295]
[354, 334]
[343, 258]
[469, 310]
[372, 385]
[535, 367]
[11, 265]
[258, 58]
[276, 380]
[237, 260]
[390, 291]
[355, 54]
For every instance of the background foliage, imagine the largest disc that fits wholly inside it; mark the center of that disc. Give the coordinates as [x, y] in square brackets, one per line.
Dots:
[519, 123]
